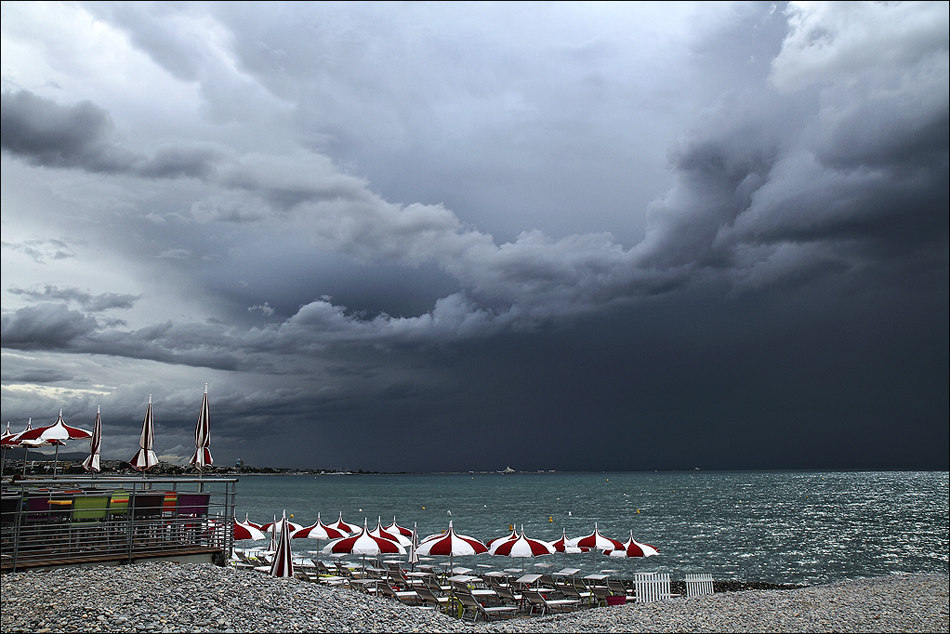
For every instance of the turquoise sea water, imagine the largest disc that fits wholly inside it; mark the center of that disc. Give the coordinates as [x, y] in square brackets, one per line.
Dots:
[776, 526]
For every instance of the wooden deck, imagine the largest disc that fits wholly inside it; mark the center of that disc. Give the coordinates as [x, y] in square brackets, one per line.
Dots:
[192, 554]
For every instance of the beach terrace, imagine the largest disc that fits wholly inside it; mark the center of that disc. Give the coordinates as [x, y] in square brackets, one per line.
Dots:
[84, 520]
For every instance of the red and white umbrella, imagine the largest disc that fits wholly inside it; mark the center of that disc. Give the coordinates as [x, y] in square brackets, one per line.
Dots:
[565, 545]
[244, 530]
[277, 524]
[318, 530]
[451, 544]
[95, 445]
[414, 546]
[202, 457]
[595, 541]
[340, 525]
[3, 446]
[497, 540]
[144, 459]
[522, 547]
[633, 548]
[396, 529]
[13, 440]
[250, 523]
[363, 544]
[56, 434]
[283, 565]
[379, 531]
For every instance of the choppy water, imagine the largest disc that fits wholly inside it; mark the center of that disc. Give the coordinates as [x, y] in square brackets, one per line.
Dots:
[782, 527]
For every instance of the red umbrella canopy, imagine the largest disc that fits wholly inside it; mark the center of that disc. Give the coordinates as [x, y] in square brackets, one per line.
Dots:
[318, 530]
[12, 440]
[363, 543]
[596, 541]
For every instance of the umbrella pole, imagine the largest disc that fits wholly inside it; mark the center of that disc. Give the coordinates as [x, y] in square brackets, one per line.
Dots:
[56, 461]
[26, 452]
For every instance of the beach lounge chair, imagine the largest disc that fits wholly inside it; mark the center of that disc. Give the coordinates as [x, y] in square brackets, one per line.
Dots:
[407, 597]
[569, 590]
[431, 600]
[539, 602]
[471, 606]
[618, 589]
[698, 584]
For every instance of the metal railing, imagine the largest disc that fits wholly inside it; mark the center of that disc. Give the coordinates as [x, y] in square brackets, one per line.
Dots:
[67, 521]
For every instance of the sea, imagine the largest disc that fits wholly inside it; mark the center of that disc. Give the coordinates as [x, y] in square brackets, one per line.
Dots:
[786, 527]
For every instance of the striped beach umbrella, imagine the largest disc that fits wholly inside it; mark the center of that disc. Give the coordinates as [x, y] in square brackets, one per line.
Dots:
[632, 549]
[247, 531]
[379, 531]
[363, 544]
[340, 525]
[595, 541]
[95, 445]
[56, 434]
[521, 547]
[451, 544]
[396, 529]
[144, 459]
[202, 457]
[283, 565]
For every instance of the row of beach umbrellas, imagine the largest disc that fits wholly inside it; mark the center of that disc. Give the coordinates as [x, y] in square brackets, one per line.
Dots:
[394, 539]
[144, 459]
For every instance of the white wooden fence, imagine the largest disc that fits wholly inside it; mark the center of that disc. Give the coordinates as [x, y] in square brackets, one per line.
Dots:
[698, 584]
[652, 586]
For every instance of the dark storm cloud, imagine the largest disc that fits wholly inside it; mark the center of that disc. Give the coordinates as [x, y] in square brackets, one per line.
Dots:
[94, 303]
[44, 327]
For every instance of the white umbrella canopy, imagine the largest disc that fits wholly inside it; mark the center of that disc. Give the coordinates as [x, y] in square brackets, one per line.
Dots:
[56, 434]
[277, 524]
[318, 530]
[595, 541]
[247, 531]
[95, 445]
[363, 544]
[144, 459]
[395, 528]
[202, 457]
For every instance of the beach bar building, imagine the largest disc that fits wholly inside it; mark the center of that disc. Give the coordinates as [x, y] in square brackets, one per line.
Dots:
[81, 520]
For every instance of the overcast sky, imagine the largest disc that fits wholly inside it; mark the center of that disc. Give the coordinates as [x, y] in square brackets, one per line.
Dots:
[452, 236]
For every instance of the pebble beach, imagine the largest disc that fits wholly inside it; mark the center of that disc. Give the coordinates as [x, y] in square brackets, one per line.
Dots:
[172, 597]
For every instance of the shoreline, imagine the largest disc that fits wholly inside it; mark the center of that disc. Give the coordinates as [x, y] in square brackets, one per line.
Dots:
[170, 597]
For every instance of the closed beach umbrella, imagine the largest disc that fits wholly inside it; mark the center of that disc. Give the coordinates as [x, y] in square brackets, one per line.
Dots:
[451, 544]
[95, 444]
[522, 547]
[56, 434]
[283, 565]
[202, 457]
[414, 547]
[144, 459]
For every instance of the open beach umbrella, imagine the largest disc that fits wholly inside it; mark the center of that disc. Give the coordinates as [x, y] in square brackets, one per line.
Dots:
[275, 526]
[283, 565]
[595, 541]
[363, 544]
[244, 531]
[95, 444]
[522, 547]
[379, 531]
[318, 531]
[567, 546]
[451, 544]
[497, 540]
[202, 457]
[396, 529]
[250, 523]
[13, 440]
[144, 459]
[632, 548]
[56, 434]
[3, 448]
[340, 525]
